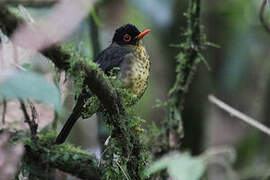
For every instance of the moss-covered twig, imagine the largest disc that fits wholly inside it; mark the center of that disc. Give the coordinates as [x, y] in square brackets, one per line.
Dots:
[187, 61]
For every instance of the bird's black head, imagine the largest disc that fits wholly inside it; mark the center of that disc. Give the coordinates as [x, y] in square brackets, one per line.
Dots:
[128, 34]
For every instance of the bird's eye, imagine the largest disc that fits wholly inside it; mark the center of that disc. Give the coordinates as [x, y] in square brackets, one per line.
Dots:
[126, 37]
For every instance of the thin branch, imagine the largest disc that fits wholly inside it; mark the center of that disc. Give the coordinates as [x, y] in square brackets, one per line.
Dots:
[4, 110]
[24, 110]
[186, 64]
[233, 112]
[31, 122]
[34, 114]
[262, 19]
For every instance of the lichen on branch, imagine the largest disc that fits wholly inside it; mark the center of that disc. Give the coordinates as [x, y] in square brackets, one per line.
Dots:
[186, 63]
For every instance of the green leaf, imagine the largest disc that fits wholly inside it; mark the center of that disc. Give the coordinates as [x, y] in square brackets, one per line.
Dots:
[179, 166]
[32, 86]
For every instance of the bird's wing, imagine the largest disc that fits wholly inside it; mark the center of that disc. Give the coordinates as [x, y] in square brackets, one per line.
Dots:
[111, 57]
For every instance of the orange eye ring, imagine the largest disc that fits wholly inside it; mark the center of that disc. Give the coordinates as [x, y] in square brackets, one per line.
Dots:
[126, 37]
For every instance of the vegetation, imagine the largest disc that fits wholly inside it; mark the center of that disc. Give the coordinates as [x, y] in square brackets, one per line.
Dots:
[137, 145]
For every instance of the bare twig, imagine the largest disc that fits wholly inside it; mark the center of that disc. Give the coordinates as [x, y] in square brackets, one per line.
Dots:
[265, 25]
[238, 114]
[4, 110]
[19, 67]
[25, 113]
[34, 114]
[30, 121]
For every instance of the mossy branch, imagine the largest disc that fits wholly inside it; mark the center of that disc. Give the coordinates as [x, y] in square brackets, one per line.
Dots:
[64, 157]
[48, 156]
[190, 55]
[187, 62]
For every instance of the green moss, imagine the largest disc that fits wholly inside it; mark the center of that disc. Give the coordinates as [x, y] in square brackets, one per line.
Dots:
[47, 140]
[66, 157]
[187, 61]
[129, 152]
[75, 71]
[91, 106]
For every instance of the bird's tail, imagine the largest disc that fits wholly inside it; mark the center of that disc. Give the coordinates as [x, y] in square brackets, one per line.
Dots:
[76, 113]
[68, 125]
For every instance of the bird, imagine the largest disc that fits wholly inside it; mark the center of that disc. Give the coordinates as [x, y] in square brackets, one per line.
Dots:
[125, 52]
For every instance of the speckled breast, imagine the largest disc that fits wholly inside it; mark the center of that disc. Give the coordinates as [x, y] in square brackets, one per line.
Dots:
[140, 72]
[137, 73]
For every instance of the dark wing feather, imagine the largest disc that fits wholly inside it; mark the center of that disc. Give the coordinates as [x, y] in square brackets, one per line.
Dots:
[107, 59]
[111, 57]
